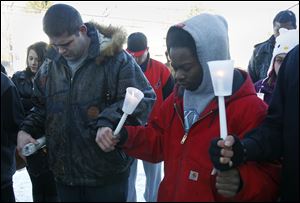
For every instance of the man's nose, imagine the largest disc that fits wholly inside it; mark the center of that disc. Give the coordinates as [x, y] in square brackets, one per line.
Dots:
[61, 50]
[179, 75]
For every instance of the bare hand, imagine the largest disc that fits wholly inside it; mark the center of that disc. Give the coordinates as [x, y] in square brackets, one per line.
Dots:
[105, 139]
[228, 182]
[23, 139]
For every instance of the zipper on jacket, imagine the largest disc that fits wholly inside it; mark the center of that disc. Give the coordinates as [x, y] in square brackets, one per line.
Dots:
[175, 107]
[204, 116]
[183, 138]
[69, 159]
[185, 134]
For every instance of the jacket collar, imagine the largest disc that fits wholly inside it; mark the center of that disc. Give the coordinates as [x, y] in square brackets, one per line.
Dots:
[106, 41]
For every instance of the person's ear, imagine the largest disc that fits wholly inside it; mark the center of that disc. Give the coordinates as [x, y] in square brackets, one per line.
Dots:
[147, 50]
[83, 29]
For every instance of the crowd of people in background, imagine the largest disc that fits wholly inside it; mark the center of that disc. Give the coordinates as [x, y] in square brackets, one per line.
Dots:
[73, 89]
[262, 54]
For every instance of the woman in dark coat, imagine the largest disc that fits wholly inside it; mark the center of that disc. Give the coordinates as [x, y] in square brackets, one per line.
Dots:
[43, 185]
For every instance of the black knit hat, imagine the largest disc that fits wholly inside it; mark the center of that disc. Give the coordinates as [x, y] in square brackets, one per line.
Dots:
[137, 44]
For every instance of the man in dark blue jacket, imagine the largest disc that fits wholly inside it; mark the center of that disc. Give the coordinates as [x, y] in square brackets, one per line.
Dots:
[79, 92]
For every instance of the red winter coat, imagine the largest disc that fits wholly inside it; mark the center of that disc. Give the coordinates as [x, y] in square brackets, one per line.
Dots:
[158, 76]
[187, 166]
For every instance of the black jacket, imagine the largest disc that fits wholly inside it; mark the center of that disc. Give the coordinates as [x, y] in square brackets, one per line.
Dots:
[278, 136]
[12, 114]
[71, 108]
[24, 84]
[260, 59]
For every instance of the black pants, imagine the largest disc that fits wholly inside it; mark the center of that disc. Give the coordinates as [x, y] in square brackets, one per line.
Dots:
[44, 187]
[42, 179]
[7, 194]
[116, 192]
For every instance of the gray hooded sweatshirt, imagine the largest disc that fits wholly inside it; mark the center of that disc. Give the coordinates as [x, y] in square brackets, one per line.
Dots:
[210, 33]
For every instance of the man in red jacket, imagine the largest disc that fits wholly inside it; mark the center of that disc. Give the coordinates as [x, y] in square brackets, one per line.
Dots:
[188, 121]
[162, 82]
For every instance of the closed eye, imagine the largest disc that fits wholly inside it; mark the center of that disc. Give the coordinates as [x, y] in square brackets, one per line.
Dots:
[64, 44]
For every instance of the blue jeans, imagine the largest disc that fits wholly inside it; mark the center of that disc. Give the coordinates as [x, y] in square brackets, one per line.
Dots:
[153, 178]
[116, 192]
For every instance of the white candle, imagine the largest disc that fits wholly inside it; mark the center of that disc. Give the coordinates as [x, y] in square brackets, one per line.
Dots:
[132, 99]
[120, 124]
[220, 79]
[220, 73]
[222, 117]
[30, 148]
[223, 123]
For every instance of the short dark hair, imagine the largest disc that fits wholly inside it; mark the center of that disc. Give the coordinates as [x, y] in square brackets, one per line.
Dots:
[178, 37]
[40, 49]
[60, 19]
[284, 17]
[137, 41]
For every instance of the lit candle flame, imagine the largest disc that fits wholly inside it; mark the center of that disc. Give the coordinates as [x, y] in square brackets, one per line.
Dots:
[220, 73]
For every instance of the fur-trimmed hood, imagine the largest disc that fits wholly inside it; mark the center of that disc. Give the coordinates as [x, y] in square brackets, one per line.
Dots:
[111, 39]
[106, 41]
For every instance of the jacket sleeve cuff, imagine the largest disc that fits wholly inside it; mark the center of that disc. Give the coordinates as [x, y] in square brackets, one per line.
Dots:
[27, 129]
[123, 137]
[105, 123]
[253, 151]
